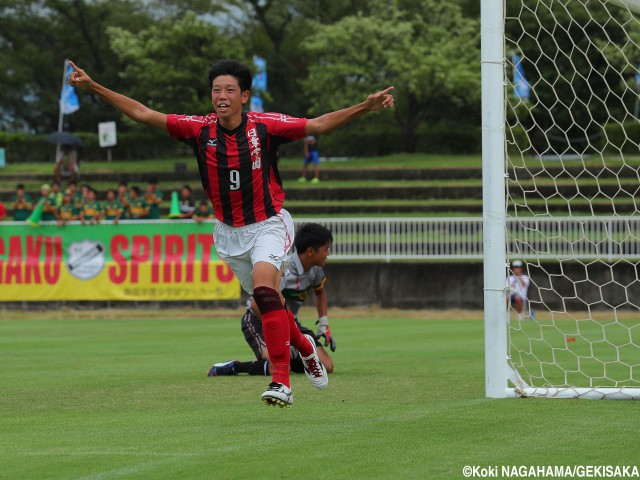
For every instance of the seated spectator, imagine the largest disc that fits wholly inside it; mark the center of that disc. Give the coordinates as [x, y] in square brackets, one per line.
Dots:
[123, 198]
[187, 205]
[49, 206]
[66, 212]
[138, 208]
[112, 209]
[91, 209]
[203, 212]
[56, 194]
[153, 197]
[76, 196]
[21, 204]
[67, 164]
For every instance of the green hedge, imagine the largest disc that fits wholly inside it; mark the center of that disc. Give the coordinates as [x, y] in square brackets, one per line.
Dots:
[23, 147]
[365, 139]
[357, 140]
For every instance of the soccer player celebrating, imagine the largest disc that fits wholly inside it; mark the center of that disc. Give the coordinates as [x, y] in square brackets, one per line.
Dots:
[236, 153]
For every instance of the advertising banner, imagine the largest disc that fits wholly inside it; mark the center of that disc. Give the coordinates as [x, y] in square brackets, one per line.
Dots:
[129, 261]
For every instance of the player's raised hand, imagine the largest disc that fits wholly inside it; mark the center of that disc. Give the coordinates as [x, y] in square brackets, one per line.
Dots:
[379, 100]
[79, 78]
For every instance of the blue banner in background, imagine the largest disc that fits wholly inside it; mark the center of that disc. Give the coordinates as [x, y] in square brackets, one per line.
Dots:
[68, 98]
[520, 84]
[259, 84]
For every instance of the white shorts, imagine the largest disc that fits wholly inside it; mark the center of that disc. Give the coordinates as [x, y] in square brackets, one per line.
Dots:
[242, 247]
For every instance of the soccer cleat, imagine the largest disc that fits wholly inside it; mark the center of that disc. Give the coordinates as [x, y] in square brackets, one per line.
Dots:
[302, 180]
[224, 368]
[315, 180]
[313, 367]
[278, 394]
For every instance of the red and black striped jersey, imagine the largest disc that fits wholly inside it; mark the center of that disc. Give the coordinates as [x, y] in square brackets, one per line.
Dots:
[238, 168]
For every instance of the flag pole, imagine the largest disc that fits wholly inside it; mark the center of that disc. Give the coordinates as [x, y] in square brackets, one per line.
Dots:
[61, 114]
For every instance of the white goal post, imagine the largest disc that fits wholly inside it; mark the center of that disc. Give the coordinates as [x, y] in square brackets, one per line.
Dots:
[561, 145]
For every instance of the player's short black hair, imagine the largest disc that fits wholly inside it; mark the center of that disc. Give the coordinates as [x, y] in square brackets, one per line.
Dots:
[123, 184]
[187, 187]
[72, 182]
[111, 190]
[204, 202]
[312, 235]
[136, 189]
[234, 68]
[20, 186]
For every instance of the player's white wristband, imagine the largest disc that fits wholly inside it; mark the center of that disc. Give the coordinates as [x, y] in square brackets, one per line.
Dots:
[323, 321]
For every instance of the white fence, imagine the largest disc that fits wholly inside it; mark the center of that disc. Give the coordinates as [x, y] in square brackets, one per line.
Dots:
[410, 238]
[460, 238]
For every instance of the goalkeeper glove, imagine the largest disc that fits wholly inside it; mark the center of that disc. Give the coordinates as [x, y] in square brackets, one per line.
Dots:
[323, 331]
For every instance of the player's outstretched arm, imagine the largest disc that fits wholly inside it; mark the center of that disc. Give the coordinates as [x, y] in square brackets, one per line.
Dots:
[330, 121]
[130, 107]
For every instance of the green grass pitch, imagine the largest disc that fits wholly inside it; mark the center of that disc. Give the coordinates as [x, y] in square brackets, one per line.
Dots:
[111, 398]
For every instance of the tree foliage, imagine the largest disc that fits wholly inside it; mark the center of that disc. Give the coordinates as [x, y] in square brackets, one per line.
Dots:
[580, 59]
[35, 38]
[166, 65]
[430, 54]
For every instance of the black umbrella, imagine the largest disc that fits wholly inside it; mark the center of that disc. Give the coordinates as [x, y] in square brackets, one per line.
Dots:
[64, 138]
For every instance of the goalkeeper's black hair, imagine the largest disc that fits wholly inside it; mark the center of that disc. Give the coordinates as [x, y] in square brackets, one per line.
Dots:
[312, 235]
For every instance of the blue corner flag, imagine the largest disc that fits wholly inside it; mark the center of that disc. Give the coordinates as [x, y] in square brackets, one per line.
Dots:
[520, 83]
[68, 99]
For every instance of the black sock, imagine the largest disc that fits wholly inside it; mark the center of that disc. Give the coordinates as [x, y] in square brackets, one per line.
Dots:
[257, 367]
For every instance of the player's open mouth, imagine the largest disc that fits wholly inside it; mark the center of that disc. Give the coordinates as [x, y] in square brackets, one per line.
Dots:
[223, 107]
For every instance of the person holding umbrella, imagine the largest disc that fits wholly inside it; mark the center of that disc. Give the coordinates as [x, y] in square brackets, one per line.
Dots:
[67, 162]
[68, 167]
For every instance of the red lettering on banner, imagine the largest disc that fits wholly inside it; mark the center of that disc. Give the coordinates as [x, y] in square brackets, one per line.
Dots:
[14, 264]
[224, 273]
[191, 256]
[118, 273]
[52, 259]
[140, 243]
[174, 249]
[206, 241]
[34, 248]
[157, 259]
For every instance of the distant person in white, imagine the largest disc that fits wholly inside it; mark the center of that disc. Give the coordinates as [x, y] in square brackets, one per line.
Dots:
[518, 285]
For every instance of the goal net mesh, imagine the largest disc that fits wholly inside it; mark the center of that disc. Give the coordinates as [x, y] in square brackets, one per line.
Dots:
[573, 178]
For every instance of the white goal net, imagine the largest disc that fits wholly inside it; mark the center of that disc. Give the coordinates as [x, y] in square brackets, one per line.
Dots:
[572, 173]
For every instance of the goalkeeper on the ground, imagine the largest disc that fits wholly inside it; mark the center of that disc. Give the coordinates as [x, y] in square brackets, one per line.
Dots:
[304, 273]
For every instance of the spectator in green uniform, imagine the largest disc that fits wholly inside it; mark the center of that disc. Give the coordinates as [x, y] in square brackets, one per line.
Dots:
[123, 198]
[66, 212]
[76, 196]
[49, 206]
[112, 209]
[56, 194]
[21, 204]
[91, 209]
[203, 212]
[153, 198]
[138, 208]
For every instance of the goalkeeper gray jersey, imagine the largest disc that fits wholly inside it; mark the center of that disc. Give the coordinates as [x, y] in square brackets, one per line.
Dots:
[296, 283]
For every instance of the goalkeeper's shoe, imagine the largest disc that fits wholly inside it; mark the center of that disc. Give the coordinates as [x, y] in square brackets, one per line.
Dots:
[224, 368]
[278, 394]
[313, 367]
